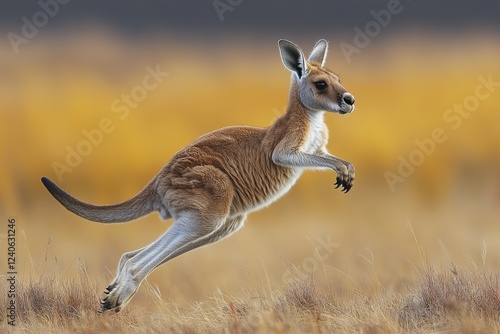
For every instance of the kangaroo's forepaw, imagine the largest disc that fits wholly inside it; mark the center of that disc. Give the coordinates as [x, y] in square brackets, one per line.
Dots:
[345, 180]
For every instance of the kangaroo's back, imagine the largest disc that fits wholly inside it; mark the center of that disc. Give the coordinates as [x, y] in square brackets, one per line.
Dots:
[244, 155]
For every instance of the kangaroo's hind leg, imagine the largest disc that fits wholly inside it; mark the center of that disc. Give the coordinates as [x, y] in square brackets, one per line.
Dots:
[230, 226]
[200, 213]
[128, 255]
[121, 264]
[184, 234]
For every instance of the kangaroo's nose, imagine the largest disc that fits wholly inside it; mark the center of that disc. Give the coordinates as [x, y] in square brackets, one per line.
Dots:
[348, 98]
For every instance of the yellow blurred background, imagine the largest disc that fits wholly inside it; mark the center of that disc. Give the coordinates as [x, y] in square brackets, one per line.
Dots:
[62, 86]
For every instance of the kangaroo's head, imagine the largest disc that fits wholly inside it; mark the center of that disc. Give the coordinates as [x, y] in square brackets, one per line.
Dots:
[318, 88]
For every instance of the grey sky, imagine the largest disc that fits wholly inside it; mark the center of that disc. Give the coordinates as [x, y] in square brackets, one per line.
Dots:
[259, 17]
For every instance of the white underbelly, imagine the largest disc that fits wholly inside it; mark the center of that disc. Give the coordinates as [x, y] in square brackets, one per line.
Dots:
[282, 190]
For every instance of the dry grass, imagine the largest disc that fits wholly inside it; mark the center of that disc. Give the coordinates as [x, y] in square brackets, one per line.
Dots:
[441, 301]
[464, 301]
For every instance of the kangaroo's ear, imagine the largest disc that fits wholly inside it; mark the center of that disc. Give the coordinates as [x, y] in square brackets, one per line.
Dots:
[319, 52]
[292, 57]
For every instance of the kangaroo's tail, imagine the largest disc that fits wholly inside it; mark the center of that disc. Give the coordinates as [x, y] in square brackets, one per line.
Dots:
[138, 206]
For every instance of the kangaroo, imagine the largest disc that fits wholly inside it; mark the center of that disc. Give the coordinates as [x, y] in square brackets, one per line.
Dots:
[210, 186]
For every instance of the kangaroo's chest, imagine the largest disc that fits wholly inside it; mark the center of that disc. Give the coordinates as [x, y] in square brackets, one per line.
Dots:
[315, 135]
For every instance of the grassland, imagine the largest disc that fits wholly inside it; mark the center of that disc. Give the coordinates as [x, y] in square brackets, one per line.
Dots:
[446, 298]
[424, 258]
[313, 274]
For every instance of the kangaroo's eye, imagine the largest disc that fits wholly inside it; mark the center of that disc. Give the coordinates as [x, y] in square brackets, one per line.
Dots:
[320, 85]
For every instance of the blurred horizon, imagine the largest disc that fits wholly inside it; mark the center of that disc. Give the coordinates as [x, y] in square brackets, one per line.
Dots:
[71, 94]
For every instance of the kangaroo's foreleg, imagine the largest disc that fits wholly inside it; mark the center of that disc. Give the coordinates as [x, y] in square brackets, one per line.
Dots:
[350, 168]
[344, 170]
